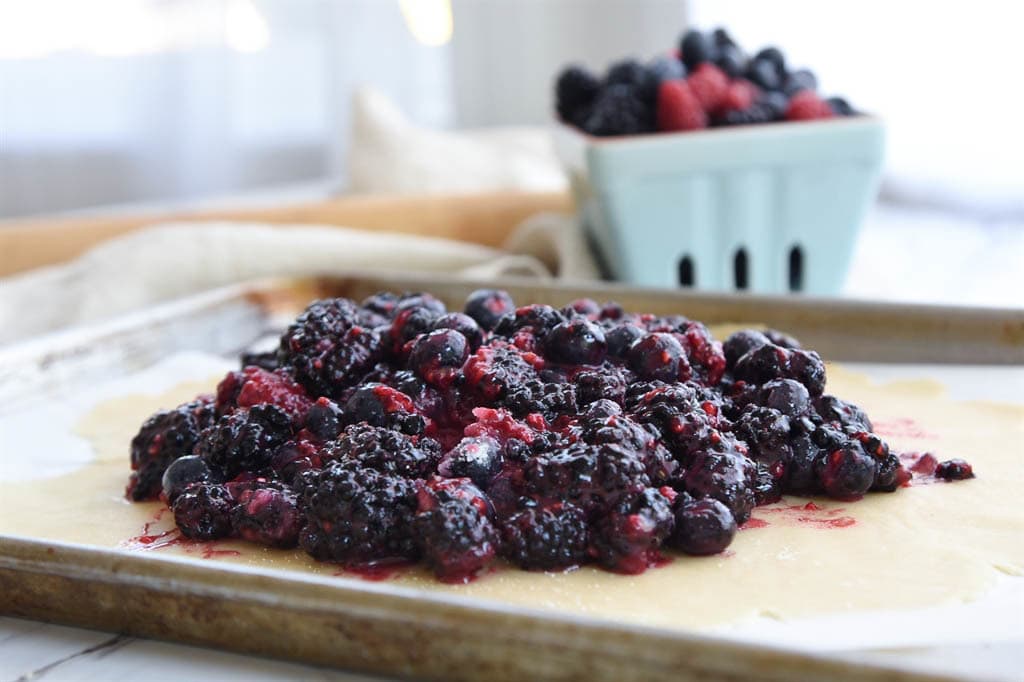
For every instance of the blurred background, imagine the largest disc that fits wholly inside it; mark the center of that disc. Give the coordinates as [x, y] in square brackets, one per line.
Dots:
[170, 102]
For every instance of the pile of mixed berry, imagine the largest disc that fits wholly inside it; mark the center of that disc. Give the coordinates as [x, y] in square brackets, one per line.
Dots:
[708, 81]
[396, 431]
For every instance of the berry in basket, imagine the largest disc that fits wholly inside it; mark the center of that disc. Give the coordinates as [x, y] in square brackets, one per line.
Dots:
[709, 81]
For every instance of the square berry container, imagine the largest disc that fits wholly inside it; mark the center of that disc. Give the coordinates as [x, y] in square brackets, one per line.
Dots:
[772, 208]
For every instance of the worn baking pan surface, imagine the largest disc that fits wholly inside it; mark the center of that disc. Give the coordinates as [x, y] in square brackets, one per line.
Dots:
[291, 608]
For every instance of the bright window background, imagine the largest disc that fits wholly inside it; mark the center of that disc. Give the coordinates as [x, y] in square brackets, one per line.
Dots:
[945, 76]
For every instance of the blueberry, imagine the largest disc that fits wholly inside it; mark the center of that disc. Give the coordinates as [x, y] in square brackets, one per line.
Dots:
[721, 38]
[585, 307]
[666, 68]
[437, 356]
[478, 459]
[775, 102]
[846, 473]
[420, 301]
[787, 396]
[323, 420]
[704, 526]
[487, 306]
[464, 324]
[773, 55]
[840, 106]
[620, 338]
[696, 47]
[383, 406]
[801, 79]
[184, 472]
[658, 356]
[764, 74]
[954, 470]
[731, 60]
[782, 339]
[741, 343]
[576, 342]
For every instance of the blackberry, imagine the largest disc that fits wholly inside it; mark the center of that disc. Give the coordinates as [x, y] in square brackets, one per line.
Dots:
[245, 440]
[658, 356]
[954, 470]
[601, 409]
[729, 477]
[550, 538]
[463, 324]
[776, 103]
[740, 343]
[478, 459]
[704, 526]
[620, 109]
[765, 431]
[608, 382]
[203, 512]
[385, 451]
[592, 476]
[576, 342]
[356, 515]
[327, 348]
[264, 360]
[438, 356]
[782, 339]
[623, 431]
[575, 90]
[756, 113]
[799, 477]
[183, 473]
[550, 400]
[456, 539]
[163, 438]
[635, 75]
[267, 515]
[496, 369]
[761, 365]
[380, 405]
[627, 537]
[487, 306]
[703, 353]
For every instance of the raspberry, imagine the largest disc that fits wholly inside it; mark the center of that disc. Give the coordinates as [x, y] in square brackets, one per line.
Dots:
[327, 348]
[710, 85]
[256, 386]
[203, 512]
[806, 105]
[548, 538]
[385, 451]
[245, 440]
[356, 515]
[679, 108]
[163, 438]
[740, 95]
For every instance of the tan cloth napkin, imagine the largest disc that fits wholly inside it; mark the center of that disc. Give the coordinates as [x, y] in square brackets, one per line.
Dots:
[169, 261]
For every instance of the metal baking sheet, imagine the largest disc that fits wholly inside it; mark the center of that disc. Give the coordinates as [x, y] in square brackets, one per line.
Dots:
[372, 626]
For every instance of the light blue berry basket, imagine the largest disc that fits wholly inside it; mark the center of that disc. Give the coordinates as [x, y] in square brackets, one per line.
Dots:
[773, 208]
